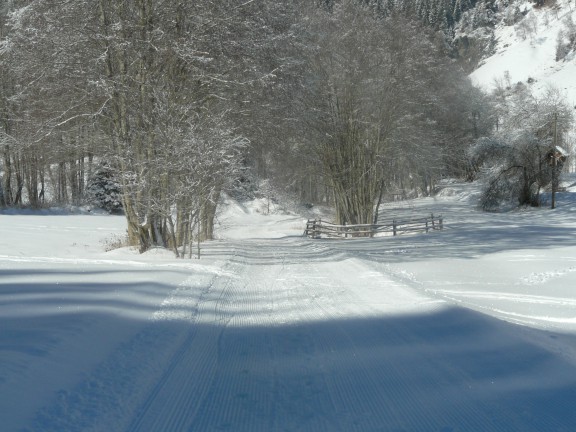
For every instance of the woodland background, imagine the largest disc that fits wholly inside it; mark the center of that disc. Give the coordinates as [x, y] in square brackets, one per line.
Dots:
[155, 108]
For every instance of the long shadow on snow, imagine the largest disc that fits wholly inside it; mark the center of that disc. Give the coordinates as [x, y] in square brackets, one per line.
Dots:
[92, 288]
[285, 250]
[455, 370]
[460, 243]
[48, 317]
[35, 316]
[64, 268]
[472, 242]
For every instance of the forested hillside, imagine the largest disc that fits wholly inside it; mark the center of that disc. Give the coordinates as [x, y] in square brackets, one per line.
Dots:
[156, 108]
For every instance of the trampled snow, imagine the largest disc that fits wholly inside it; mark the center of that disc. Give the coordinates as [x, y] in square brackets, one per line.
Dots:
[469, 328]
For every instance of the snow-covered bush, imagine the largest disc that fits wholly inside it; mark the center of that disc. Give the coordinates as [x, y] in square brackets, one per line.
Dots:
[512, 172]
[516, 161]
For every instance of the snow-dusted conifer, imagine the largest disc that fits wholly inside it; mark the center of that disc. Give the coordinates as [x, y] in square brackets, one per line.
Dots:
[103, 190]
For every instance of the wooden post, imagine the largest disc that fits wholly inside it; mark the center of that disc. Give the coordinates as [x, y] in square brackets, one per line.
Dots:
[554, 180]
[394, 226]
[440, 222]
[198, 234]
[310, 228]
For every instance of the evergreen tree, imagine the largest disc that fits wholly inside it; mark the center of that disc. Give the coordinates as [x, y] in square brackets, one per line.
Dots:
[104, 191]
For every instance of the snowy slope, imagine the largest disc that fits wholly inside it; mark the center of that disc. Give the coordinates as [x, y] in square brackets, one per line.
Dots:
[471, 328]
[520, 56]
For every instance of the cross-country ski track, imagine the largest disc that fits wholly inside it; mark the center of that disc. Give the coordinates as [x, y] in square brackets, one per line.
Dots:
[269, 334]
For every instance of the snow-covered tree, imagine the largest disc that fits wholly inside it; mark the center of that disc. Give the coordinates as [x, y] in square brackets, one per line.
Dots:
[103, 190]
[376, 106]
[525, 154]
[566, 39]
[142, 77]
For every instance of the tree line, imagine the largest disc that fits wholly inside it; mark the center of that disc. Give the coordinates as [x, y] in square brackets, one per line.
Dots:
[336, 102]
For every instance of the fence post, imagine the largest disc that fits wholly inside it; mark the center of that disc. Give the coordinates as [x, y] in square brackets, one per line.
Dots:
[314, 227]
[311, 227]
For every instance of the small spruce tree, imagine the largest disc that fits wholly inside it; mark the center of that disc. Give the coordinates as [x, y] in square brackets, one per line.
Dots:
[103, 190]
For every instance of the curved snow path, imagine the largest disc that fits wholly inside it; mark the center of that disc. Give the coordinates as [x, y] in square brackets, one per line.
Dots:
[292, 335]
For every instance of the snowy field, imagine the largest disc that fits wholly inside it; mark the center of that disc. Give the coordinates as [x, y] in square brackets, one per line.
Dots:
[469, 329]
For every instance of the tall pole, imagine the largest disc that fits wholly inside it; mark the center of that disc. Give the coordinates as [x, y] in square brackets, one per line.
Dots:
[554, 180]
[198, 234]
[554, 162]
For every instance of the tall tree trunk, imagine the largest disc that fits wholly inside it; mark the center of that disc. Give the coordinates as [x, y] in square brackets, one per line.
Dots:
[8, 194]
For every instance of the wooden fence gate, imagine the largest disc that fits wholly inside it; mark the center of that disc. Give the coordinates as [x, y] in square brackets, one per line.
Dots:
[317, 228]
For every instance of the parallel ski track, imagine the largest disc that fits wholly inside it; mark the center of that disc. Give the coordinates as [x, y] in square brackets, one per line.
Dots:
[286, 352]
[388, 398]
[278, 343]
[175, 399]
[252, 392]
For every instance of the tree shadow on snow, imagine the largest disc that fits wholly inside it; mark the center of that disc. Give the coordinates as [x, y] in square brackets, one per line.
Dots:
[468, 242]
[454, 370]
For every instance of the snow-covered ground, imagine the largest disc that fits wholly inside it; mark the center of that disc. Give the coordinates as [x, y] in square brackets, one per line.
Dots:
[526, 52]
[472, 328]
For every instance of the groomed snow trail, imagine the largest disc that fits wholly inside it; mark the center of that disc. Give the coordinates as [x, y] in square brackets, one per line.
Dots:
[271, 334]
[291, 335]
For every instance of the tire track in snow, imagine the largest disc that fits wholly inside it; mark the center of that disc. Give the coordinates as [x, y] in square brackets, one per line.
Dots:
[230, 384]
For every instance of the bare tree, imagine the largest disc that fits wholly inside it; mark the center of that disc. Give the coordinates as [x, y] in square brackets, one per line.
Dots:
[525, 154]
[145, 78]
[377, 87]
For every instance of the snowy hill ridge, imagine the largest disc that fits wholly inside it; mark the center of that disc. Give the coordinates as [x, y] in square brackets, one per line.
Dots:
[526, 52]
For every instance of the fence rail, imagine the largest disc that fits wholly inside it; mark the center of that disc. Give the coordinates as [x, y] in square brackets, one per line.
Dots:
[317, 228]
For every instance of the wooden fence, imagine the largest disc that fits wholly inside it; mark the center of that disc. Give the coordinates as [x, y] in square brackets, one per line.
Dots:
[317, 228]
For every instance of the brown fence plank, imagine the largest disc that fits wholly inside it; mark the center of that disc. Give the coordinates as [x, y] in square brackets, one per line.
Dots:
[315, 228]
